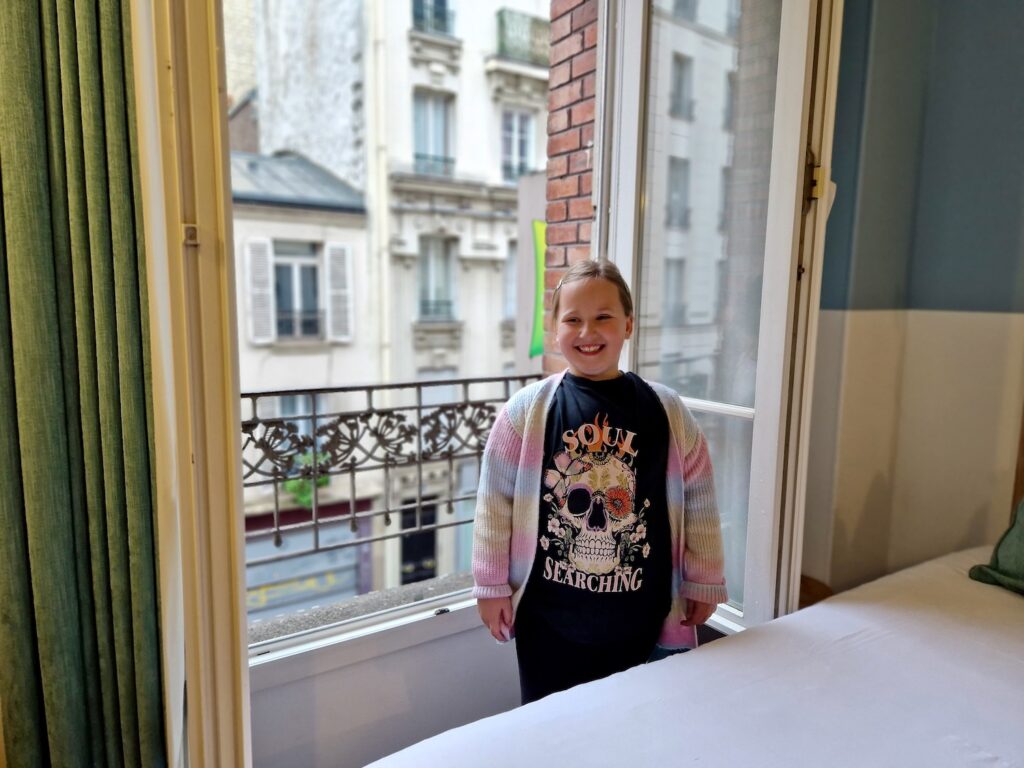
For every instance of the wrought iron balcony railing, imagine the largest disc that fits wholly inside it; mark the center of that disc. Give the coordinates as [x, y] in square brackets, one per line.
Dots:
[685, 9]
[434, 165]
[524, 38]
[433, 16]
[512, 171]
[682, 108]
[297, 325]
[678, 217]
[407, 442]
[437, 310]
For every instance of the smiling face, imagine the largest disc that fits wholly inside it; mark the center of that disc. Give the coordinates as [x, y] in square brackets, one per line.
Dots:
[591, 326]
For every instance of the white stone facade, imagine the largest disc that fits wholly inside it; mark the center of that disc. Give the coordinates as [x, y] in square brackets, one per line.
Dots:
[310, 81]
[337, 83]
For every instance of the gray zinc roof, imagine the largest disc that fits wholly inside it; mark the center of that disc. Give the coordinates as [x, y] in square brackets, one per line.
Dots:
[292, 181]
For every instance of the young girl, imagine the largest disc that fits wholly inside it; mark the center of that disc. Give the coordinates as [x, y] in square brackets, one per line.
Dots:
[580, 545]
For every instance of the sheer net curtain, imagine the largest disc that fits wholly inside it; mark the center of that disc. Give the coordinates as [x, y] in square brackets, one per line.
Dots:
[79, 642]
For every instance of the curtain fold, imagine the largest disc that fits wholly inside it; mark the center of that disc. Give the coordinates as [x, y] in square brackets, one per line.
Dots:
[79, 638]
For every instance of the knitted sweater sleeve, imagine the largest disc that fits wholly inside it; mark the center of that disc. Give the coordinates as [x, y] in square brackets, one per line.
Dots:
[492, 525]
[702, 559]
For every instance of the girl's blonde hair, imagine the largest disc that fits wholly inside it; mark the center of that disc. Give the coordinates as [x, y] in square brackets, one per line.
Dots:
[586, 270]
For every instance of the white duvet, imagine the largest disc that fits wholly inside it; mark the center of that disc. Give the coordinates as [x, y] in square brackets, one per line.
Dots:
[921, 668]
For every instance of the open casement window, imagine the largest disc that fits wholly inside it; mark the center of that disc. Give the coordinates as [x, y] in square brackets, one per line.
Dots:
[734, 335]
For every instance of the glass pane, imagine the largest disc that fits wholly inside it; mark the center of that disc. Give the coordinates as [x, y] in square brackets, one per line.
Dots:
[309, 297]
[303, 90]
[729, 440]
[419, 122]
[284, 292]
[703, 237]
[295, 248]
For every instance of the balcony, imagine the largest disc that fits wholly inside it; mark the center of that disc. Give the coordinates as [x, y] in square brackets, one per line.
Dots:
[511, 172]
[518, 69]
[300, 325]
[437, 310]
[395, 466]
[685, 9]
[678, 217]
[434, 165]
[682, 108]
[524, 38]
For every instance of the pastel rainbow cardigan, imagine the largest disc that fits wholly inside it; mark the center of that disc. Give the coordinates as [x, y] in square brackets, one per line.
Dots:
[507, 513]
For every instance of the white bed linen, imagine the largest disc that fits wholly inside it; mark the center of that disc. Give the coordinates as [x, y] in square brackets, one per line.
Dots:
[924, 667]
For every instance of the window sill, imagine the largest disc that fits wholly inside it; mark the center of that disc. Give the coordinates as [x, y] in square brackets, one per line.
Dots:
[372, 607]
[287, 660]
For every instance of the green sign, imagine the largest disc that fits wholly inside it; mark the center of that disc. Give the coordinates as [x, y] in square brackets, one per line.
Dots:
[540, 230]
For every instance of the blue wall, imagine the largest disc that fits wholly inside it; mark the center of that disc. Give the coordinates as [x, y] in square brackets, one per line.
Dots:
[940, 101]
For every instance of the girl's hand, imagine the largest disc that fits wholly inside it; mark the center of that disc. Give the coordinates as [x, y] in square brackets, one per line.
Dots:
[697, 613]
[496, 613]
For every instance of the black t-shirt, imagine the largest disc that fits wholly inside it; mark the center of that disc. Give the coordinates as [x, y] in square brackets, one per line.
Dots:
[602, 572]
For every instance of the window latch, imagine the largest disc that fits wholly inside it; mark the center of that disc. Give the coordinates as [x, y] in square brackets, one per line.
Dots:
[190, 237]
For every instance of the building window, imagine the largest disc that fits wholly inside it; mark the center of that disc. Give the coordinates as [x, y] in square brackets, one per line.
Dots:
[685, 9]
[732, 19]
[675, 306]
[419, 550]
[436, 294]
[723, 213]
[729, 118]
[681, 104]
[433, 16]
[678, 209]
[516, 143]
[432, 138]
[297, 290]
[510, 282]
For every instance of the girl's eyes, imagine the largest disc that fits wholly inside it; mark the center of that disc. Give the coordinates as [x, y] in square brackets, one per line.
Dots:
[574, 320]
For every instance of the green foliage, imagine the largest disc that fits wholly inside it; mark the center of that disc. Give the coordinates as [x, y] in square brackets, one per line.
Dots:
[301, 488]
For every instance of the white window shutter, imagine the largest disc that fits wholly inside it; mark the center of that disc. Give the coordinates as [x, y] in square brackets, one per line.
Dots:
[259, 267]
[340, 315]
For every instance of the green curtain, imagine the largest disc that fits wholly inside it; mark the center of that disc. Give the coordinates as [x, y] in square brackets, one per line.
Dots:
[80, 679]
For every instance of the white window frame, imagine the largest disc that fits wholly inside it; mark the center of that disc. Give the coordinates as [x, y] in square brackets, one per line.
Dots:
[428, 142]
[681, 103]
[185, 185]
[295, 263]
[437, 257]
[788, 308]
[677, 194]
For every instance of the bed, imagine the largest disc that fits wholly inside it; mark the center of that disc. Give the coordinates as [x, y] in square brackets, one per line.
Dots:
[924, 667]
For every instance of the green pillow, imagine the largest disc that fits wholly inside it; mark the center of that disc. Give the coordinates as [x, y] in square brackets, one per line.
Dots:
[1007, 566]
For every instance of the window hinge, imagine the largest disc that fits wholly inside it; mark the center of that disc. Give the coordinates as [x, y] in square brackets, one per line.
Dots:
[190, 235]
[819, 177]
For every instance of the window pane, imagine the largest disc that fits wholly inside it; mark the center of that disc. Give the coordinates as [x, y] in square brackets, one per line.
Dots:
[295, 248]
[284, 292]
[703, 235]
[310, 158]
[309, 296]
[508, 139]
[419, 121]
[729, 440]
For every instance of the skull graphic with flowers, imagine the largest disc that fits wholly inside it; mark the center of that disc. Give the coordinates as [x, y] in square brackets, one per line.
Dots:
[592, 511]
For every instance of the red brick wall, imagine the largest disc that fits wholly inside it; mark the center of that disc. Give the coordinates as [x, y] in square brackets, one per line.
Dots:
[570, 211]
